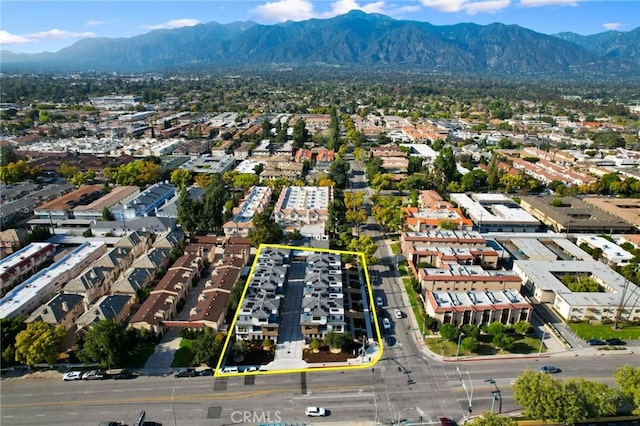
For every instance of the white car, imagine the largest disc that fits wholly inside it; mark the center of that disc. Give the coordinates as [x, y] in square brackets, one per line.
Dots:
[72, 375]
[398, 313]
[93, 375]
[379, 302]
[386, 323]
[315, 412]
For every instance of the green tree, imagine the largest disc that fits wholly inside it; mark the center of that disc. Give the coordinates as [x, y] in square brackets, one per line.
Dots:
[338, 340]
[470, 343]
[445, 165]
[106, 343]
[470, 330]
[107, 215]
[449, 332]
[628, 381]
[264, 230]
[364, 244]
[495, 328]
[492, 419]
[338, 172]
[207, 347]
[245, 181]
[300, 133]
[503, 341]
[314, 345]
[38, 343]
[493, 173]
[182, 178]
[215, 197]
[189, 212]
[7, 155]
[522, 327]
[10, 328]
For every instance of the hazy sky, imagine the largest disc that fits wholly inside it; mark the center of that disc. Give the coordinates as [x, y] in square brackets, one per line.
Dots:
[38, 26]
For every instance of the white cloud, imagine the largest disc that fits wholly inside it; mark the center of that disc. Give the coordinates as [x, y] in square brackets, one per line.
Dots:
[407, 8]
[341, 7]
[175, 23]
[93, 23]
[56, 34]
[486, 6]
[612, 25]
[445, 5]
[284, 10]
[8, 38]
[536, 3]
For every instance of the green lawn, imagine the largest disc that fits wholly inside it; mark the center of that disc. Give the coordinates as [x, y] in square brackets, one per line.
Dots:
[139, 355]
[605, 331]
[395, 248]
[523, 345]
[184, 355]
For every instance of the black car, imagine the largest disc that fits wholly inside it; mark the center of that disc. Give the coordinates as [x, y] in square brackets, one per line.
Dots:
[123, 375]
[596, 342]
[615, 342]
[206, 372]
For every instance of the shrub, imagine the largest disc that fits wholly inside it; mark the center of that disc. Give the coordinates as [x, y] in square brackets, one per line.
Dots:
[495, 328]
[503, 341]
[522, 327]
[471, 330]
[470, 343]
[449, 332]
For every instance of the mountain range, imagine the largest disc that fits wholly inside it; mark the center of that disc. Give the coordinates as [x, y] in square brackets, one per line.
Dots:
[353, 39]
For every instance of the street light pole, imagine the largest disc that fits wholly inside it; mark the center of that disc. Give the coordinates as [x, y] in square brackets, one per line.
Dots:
[464, 386]
[458, 346]
[496, 395]
[541, 339]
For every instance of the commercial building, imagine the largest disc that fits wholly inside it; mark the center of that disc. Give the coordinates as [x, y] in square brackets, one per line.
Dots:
[495, 213]
[478, 307]
[115, 101]
[304, 208]
[93, 210]
[574, 215]
[627, 209]
[543, 280]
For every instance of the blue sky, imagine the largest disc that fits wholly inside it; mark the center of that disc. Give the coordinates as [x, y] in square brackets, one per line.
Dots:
[45, 25]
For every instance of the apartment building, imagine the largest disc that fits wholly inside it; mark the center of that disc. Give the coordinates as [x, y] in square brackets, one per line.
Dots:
[304, 208]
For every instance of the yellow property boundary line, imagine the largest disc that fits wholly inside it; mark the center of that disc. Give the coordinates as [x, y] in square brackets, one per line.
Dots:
[372, 308]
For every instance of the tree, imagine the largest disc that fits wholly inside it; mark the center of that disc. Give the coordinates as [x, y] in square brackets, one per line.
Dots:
[314, 345]
[470, 330]
[503, 341]
[492, 419]
[182, 178]
[628, 381]
[522, 327]
[470, 343]
[245, 180]
[239, 349]
[106, 343]
[446, 166]
[38, 343]
[7, 155]
[338, 172]
[10, 328]
[189, 212]
[493, 173]
[215, 197]
[449, 332]
[338, 340]
[495, 328]
[264, 230]
[300, 133]
[364, 244]
[107, 215]
[207, 347]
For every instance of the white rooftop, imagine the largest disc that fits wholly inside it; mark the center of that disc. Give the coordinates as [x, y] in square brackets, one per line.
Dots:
[508, 213]
[477, 298]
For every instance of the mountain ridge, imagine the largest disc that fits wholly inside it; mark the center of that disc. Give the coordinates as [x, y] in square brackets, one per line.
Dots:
[352, 39]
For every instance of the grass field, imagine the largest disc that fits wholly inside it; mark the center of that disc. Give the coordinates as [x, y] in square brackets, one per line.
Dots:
[605, 331]
[183, 356]
[523, 345]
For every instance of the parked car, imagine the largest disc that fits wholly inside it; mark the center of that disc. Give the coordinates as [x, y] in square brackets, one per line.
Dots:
[184, 372]
[93, 375]
[615, 342]
[113, 423]
[398, 313]
[315, 412]
[207, 372]
[550, 369]
[123, 375]
[446, 421]
[386, 323]
[72, 375]
[596, 342]
[379, 302]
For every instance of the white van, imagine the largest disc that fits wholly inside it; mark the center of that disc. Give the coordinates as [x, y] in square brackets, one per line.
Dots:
[227, 370]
